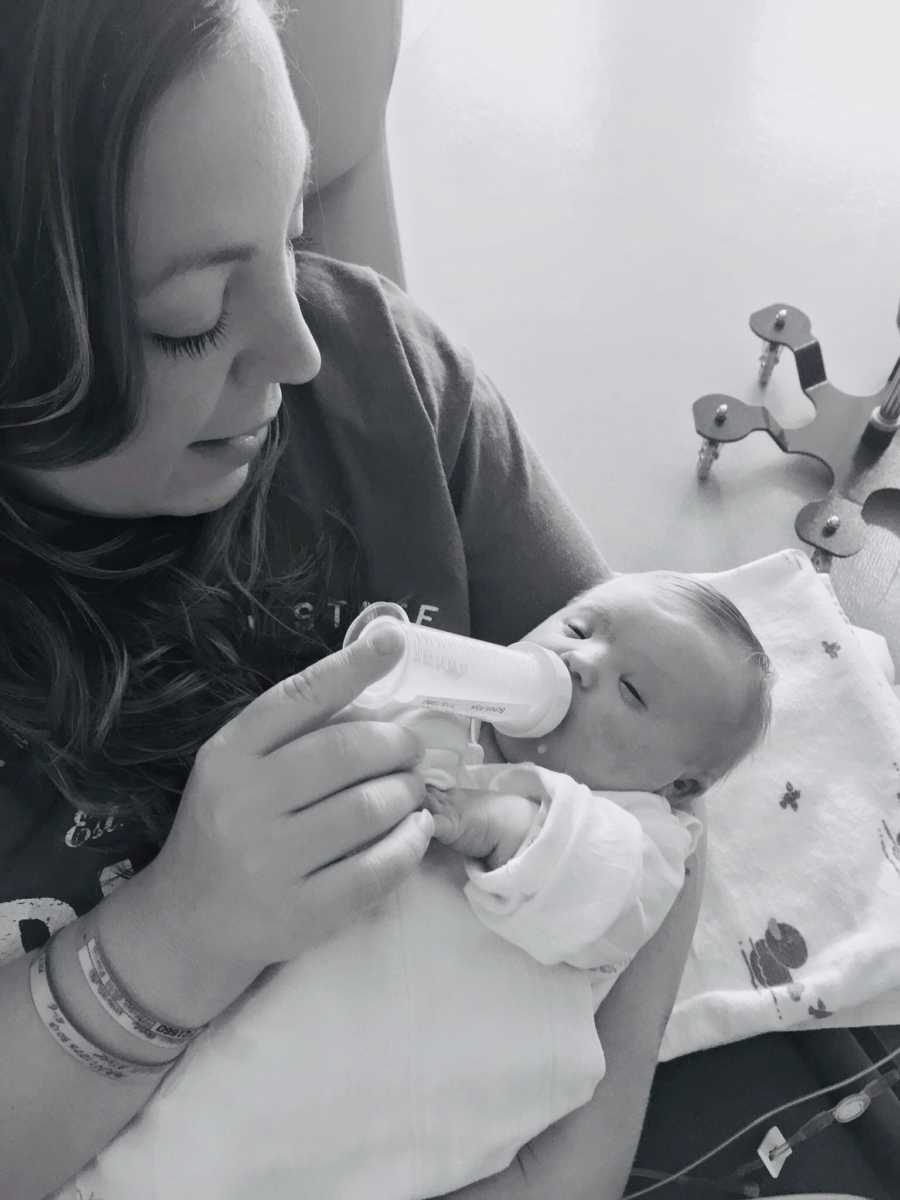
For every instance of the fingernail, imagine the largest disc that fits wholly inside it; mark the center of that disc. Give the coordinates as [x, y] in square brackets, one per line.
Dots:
[426, 823]
[386, 641]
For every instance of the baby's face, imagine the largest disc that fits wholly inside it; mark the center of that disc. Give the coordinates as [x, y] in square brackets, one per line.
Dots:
[652, 684]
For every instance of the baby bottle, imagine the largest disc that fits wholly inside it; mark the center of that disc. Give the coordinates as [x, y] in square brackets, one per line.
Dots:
[522, 690]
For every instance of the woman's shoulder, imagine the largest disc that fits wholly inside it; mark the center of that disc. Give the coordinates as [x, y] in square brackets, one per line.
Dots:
[370, 324]
[348, 287]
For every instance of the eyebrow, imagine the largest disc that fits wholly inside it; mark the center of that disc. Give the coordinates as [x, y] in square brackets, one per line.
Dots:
[598, 612]
[198, 259]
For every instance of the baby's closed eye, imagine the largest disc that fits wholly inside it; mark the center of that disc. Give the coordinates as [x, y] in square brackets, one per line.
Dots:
[630, 693]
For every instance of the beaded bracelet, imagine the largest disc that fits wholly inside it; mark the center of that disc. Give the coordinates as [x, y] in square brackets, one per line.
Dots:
[72, 1040]
[122, 1007]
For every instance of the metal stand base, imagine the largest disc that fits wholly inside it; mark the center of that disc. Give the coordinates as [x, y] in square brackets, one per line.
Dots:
[852, 435]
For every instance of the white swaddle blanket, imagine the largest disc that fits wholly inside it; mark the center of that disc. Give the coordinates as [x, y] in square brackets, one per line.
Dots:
[800, 919]
[422, 1046]
[349, 1074]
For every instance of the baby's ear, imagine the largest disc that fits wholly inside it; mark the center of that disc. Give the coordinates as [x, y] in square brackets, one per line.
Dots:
[681, 789]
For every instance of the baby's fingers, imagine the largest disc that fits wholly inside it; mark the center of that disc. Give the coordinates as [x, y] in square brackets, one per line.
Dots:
[462, 819]
[444, 814]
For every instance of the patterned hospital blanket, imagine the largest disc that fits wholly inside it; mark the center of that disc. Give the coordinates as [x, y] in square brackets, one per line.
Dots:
[800, 919]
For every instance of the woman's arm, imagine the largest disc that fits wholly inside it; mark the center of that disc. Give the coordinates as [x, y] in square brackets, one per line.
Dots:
[55, 1113]
[588, 1155]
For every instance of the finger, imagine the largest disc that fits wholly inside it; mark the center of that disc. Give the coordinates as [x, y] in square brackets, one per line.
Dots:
[300, 703]
[446, 828]
[356, 883]
[338, 757]
[354, 819]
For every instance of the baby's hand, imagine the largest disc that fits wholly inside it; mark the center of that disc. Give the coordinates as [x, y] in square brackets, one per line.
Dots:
[485, 825]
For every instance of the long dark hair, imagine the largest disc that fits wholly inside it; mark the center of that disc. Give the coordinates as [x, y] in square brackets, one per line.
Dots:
[124, 644]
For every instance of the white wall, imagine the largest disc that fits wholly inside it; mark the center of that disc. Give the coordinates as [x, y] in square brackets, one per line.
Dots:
[594, 195]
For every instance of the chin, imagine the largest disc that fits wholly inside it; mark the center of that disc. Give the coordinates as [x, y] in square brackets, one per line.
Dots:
[210, 499]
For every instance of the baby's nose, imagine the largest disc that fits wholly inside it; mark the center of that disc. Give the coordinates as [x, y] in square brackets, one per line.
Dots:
[583, 665]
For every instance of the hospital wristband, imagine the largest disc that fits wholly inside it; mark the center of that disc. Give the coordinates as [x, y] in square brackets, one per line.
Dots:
[71, 1039]
[123, 1008]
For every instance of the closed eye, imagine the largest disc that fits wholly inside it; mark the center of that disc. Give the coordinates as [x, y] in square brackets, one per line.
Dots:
[632, 691]
[577, 630]
[197, 344]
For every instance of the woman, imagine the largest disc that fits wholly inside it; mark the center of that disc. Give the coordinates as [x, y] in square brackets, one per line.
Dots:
[183, 542]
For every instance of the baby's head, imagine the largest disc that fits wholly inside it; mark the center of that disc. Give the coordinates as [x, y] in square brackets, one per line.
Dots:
[671, 688]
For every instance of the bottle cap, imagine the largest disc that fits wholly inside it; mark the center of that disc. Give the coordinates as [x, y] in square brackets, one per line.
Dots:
[381, 608]
[556, 695]
[383, 612]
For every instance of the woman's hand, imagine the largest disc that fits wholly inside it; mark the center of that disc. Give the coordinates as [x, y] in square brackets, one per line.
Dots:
[288, 828]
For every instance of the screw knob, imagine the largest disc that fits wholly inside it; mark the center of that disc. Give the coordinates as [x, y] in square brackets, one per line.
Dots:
[832, 525]
[780, 318]
[721, 414]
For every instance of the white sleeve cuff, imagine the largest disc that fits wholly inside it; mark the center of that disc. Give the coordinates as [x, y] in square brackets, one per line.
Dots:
[580, 869]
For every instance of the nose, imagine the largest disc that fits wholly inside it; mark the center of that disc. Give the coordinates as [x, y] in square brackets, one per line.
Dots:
[285, 348]
[299, 351]
[584, 664]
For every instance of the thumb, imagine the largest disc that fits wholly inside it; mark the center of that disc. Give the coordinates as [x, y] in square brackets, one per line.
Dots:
[304, 702]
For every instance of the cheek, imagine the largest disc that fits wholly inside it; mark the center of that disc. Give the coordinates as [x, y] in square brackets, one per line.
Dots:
[602, 752]
[578, 749]
[180, 399]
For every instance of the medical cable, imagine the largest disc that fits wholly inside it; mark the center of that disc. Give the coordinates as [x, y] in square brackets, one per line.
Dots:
[811, 1127]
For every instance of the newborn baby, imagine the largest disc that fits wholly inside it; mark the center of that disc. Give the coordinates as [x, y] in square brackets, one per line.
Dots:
[670, 691]
[421, 1048]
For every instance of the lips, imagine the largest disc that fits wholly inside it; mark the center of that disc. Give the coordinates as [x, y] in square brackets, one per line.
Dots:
[235, 451]
[232, 437]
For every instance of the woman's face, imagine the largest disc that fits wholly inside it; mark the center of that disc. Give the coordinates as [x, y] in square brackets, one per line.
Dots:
[215, 197]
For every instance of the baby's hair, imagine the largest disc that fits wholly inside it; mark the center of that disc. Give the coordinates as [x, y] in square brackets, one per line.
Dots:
[715, 608]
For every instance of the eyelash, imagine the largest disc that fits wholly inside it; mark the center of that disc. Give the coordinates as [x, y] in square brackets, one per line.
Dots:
[195, 345]
[199, 343]
[574, 629]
